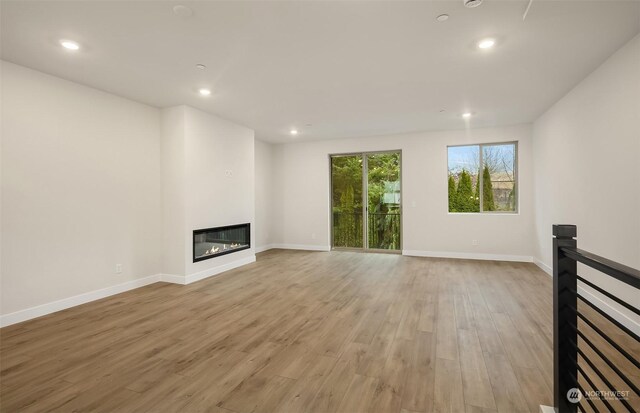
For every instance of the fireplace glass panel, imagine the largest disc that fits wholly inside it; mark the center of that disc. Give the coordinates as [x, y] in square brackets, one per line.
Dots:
[213, 242]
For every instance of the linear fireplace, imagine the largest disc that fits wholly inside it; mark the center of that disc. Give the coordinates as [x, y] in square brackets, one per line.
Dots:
[213, 242]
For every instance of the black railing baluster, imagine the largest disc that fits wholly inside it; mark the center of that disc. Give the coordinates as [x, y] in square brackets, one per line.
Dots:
[610, 340]
[594, 387]
[565, 369]
[610, 296]
[604, 379]
[593, 406]
[610, 319]
[566, 294]
[609, 363]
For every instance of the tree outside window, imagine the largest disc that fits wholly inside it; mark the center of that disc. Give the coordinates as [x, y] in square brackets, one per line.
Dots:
[482, 178]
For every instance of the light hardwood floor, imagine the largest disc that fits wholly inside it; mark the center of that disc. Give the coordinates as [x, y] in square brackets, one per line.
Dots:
[297, 332]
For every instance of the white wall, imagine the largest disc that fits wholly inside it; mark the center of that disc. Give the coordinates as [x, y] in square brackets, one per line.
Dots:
[586, 160]
[213, 197]
[301, 181]
[208, 181]
[80, 189]
[91, 180]
[173, 189]
[264, 194]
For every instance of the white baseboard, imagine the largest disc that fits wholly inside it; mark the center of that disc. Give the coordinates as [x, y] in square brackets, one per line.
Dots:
[44, 309]
[172, 278]
[210, 272]
[616, 314]
[301, 247]
[191, 278]
[544, 267]
[264, 248]
[467, 255]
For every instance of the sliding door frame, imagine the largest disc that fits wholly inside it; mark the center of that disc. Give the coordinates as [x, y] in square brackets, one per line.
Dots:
[365, 204]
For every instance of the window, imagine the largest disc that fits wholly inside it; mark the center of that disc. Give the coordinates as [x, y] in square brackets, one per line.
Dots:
[483, 178]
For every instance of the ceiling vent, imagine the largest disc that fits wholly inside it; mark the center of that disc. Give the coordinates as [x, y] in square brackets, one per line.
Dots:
[471, 3]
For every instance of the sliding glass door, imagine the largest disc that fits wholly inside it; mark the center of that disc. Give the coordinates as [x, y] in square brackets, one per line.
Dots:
[383, 201]
[365, 201]
[346, 201]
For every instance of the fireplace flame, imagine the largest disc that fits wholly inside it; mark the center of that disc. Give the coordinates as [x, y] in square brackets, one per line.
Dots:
[225, 247]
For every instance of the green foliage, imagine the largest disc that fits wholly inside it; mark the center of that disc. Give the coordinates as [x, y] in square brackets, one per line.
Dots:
[494, 181]
[383, 168]
[346, 177]
[476, 195]
[383, 217]
[465, 198]
[452, 193]
[347, 200]
[462, 196]
[487, 191]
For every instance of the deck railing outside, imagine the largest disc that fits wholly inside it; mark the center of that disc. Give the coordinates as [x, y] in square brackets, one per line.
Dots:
[383, 230]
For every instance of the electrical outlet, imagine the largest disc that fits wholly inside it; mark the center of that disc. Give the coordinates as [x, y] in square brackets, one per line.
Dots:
[228, 173]
[118, 268]
[474, 242]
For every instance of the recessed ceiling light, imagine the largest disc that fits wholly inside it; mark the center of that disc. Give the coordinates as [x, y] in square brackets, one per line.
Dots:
[204, 92]
[471, 3]
[293, 132]
[201, 66]
[442, 17]
[182, 11]
[466, 115]
[69, 44]
[486, 43]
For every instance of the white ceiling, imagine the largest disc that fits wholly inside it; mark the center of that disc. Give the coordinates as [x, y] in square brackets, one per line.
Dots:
[346, 68]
